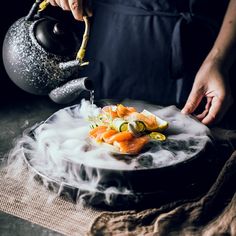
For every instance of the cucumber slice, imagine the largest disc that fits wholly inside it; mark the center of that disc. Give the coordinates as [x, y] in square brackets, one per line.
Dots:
[140, 126]
[124, 127]
[120, 124]
[137, 128]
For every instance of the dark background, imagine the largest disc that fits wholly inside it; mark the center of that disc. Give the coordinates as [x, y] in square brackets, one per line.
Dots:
[11, 11]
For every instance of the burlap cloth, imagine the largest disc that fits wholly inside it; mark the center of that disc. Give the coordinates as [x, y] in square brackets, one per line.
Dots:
[214, 213]
[28, 200]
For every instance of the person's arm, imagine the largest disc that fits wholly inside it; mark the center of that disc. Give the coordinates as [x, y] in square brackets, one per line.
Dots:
[211, 80]
[224, 49]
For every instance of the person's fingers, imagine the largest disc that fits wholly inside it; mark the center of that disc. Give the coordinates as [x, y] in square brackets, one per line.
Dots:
[208, 104]
[53, 3]
[65, 5]
[76, 7]
[214, 110]
[58, 2]
[193, 101]
[201, 116]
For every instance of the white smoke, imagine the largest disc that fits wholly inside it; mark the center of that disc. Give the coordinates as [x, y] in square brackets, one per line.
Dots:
[61, 150]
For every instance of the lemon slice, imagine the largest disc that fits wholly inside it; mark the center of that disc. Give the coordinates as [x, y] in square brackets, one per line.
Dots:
[162, 124]
[157, 136]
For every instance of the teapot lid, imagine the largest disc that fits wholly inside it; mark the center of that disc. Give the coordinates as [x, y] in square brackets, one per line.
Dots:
[55, 37]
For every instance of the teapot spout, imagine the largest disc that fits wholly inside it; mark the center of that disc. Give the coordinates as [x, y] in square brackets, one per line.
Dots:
[71, 90]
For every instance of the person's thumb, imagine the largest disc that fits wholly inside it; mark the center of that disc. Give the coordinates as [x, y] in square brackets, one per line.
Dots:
[193, 100]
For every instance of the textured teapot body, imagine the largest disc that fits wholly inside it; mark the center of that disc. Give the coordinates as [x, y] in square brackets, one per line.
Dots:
[29, 65]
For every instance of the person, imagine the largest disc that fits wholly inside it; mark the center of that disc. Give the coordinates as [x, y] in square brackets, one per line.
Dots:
[166, 52]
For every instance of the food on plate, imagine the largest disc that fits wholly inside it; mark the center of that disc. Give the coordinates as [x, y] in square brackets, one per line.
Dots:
[126, 129]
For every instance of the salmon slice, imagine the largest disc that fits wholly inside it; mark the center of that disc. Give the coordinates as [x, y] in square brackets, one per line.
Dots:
[111, 111]
[97, 133]
[120, 137]
[108, 134]
[133, 146]
[149, 121]
[125, 141]
[123, 111]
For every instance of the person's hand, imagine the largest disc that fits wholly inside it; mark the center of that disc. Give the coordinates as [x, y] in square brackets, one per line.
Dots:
[212, 83]
[79, 8]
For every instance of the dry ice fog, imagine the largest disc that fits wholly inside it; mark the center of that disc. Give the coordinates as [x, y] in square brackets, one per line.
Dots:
[61, 150]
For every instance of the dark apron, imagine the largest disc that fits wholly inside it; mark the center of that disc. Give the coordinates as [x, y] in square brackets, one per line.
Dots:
[150, 50]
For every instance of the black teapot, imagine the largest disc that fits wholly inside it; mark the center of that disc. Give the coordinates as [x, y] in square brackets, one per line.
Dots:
[40, 56]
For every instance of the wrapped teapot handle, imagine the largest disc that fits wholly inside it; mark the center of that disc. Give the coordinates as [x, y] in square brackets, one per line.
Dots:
[43, 5]
[83, 46]
[40, 5]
